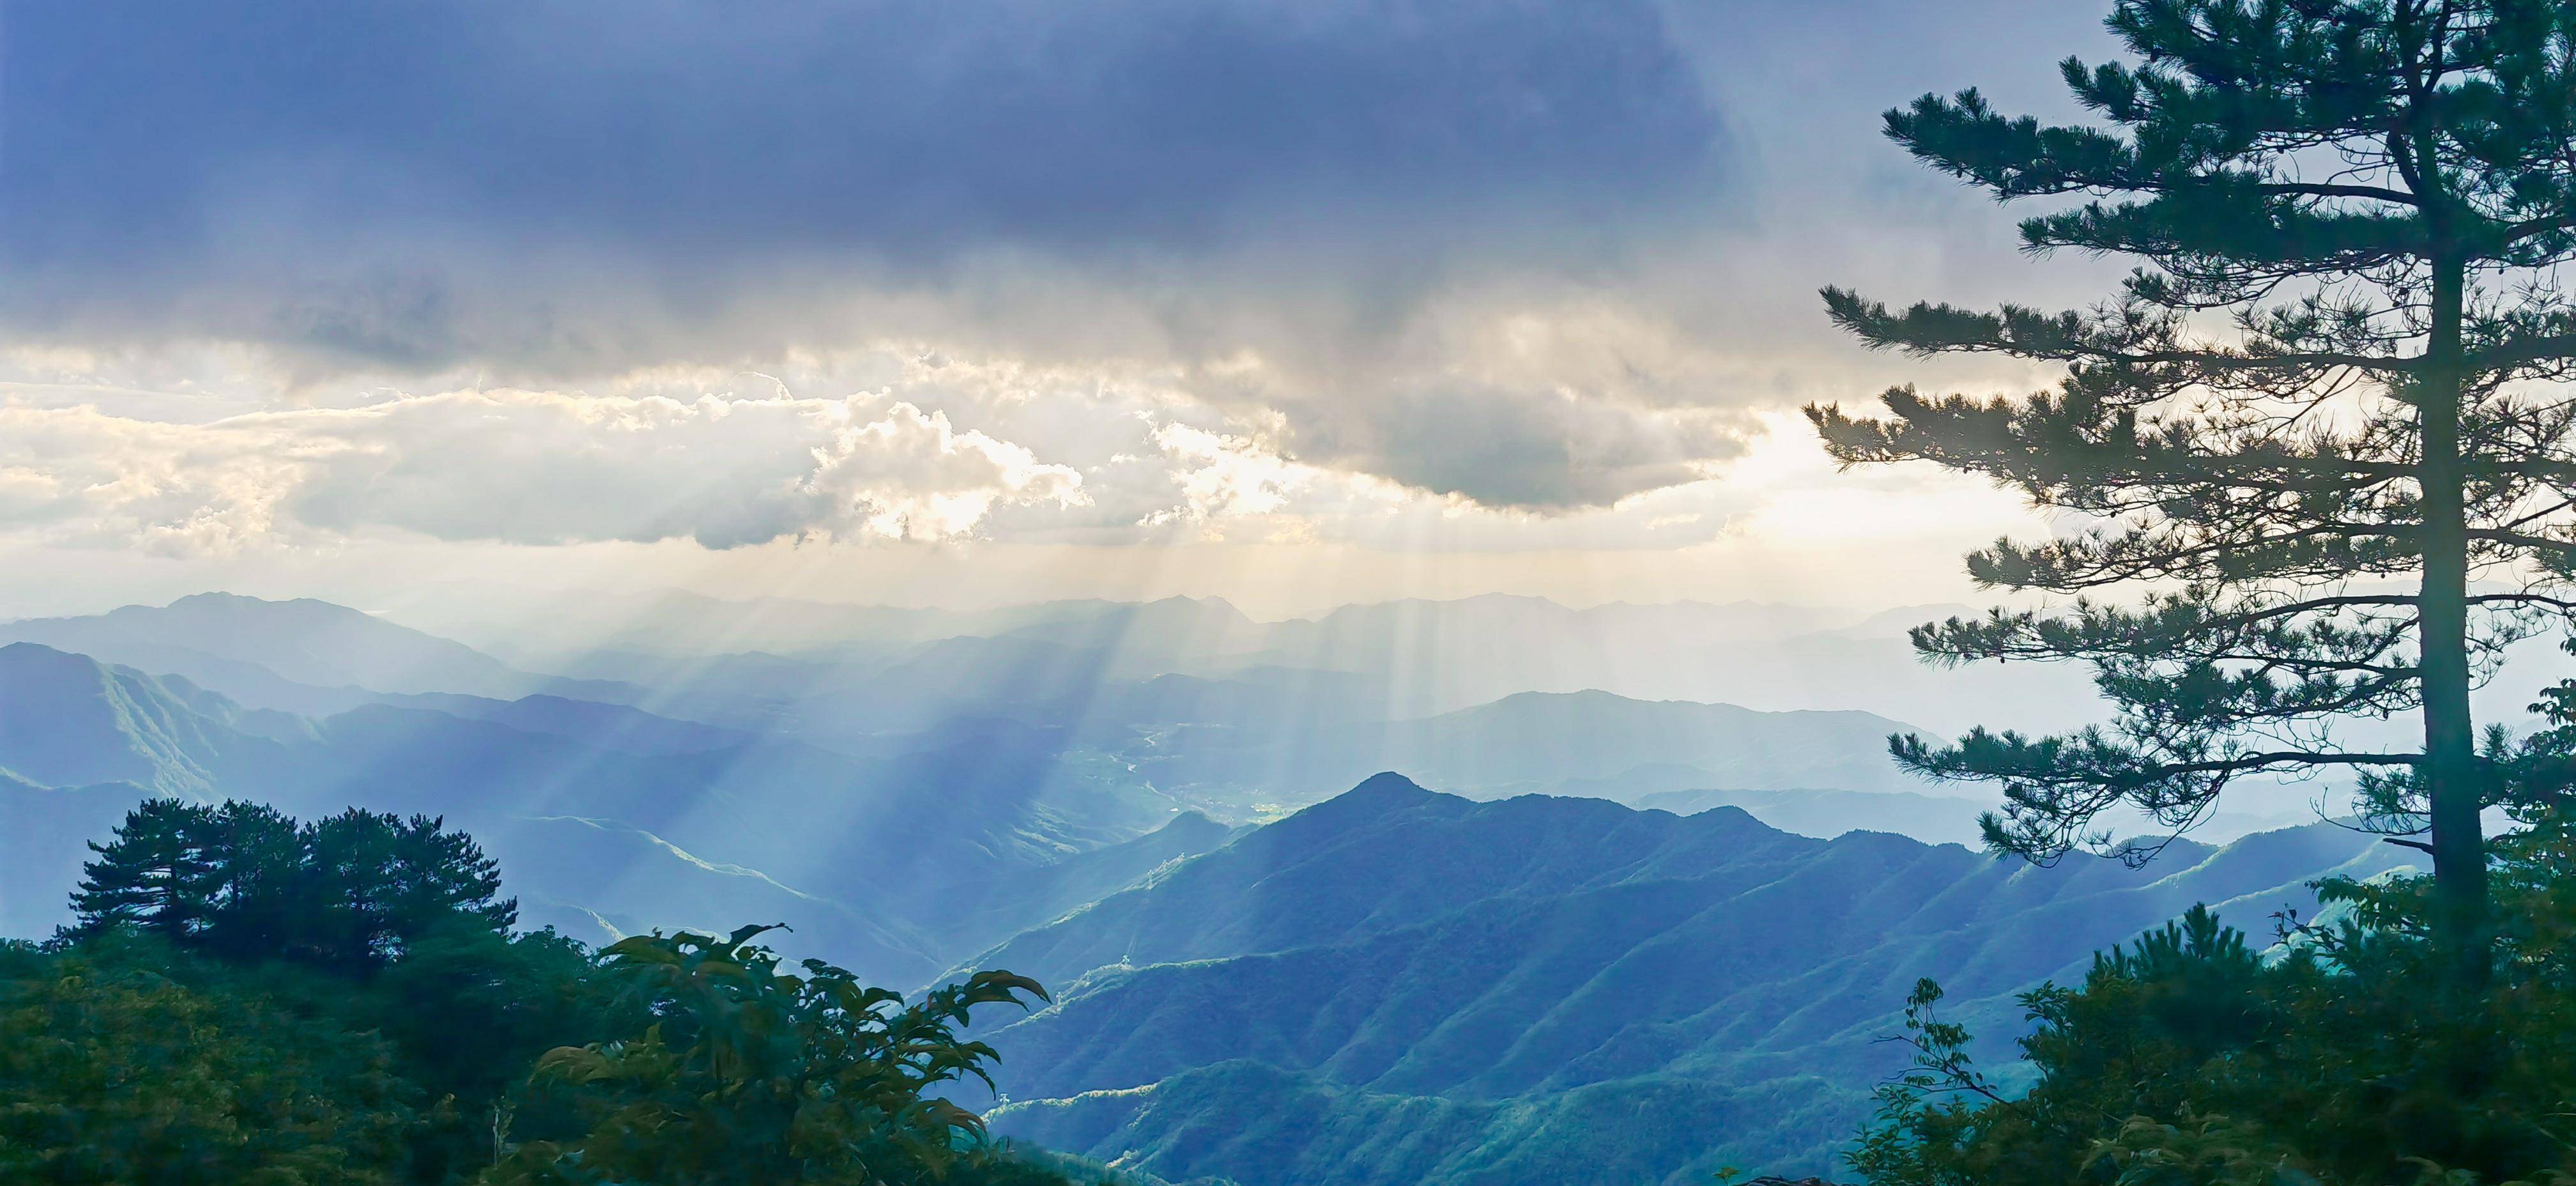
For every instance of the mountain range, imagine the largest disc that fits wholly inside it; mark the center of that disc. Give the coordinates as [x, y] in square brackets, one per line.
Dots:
[300, 645]
[1241, 745]
[1412, 657]
[1262, 972]
[880, 859]
[1399, 986]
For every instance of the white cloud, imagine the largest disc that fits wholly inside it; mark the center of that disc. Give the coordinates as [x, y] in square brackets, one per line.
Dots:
[1590, 450]
[518, 467]
[81, 473]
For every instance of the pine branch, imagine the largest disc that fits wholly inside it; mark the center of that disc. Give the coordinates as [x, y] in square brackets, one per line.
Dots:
[1926, 329]
[2293, 757]
[2376, 193]
[2520, 352]
[2546, 224]
[2557, 603]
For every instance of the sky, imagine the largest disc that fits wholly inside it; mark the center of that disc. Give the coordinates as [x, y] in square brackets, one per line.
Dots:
[1296, 302]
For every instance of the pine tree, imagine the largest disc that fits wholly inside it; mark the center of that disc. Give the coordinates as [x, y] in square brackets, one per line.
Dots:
[154, 873]
[246, 882]
[379, 881]
[2315, 426]
[255, 868]
[441, 874]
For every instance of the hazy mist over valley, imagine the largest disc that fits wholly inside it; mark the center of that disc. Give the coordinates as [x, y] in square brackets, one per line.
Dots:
[1127, 800]
[1288, 593]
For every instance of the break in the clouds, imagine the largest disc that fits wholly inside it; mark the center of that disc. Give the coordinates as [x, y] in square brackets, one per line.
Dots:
[1274, 262]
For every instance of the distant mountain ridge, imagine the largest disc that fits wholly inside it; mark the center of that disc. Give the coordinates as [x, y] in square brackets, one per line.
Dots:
[1396, 659]
[1532, 741]
[884, 861]
[1418, 656]
[1530, 737]
[673, 622]
[68, 720]
[238, 643]
[1398, 986]
[1245, 743]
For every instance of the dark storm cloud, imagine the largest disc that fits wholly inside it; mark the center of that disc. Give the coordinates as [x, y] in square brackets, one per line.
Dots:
[342, 159]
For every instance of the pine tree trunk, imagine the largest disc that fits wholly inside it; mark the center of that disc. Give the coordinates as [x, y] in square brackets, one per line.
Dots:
[2452, 778]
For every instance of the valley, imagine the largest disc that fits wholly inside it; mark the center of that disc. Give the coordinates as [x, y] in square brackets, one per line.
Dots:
[1305, 921]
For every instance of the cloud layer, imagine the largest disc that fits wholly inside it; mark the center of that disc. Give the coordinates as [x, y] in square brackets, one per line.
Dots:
[518, 467]
[1379, 270]
[367, 180]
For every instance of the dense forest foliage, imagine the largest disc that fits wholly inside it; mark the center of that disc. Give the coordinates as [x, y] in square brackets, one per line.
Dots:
[249, 999]
[2195, 1056]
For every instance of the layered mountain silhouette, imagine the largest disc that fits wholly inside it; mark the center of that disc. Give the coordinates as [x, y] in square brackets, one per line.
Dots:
[1533, 741]
[301, 655]
[1411, 658]
[69, 720]
[1399, 986]
[839, 675]
[1378, 986]
[1241, 739]
[885, 861]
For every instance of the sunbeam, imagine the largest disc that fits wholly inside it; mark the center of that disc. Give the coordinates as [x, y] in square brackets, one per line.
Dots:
[1266, 593]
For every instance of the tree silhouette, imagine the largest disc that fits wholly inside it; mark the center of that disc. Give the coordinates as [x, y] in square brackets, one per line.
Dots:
[262, 900]
[245, 882]
[2312, 424]
[379, 881]
[153, 874]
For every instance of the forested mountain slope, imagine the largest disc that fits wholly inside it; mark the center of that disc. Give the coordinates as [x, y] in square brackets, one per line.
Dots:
[1399, 986]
